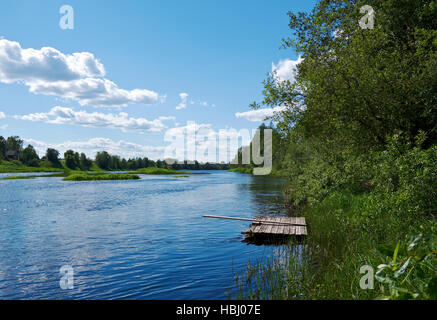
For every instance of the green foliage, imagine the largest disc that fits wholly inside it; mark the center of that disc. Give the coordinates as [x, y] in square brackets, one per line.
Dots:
[84, 162]
[359, 146]
[103, 160]
[2, 148]
[29, 156]
[17, 166]
[242, 170]
[158, 171]
[52, 155]
[62, 174]
[100, 176]
[411, 273]
[154, 170]
[14, 143]
[72, 160]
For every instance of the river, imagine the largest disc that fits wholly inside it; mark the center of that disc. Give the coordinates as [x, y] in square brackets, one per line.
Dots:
[139, 239]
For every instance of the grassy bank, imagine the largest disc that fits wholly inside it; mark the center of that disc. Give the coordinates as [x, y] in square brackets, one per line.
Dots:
[100, 176]
[60, 174]
[156, 171]
[344, 236]
[248, 170]
[72, 175]
[18, 167]
[387, 224]
[159, 171]
[241, 170]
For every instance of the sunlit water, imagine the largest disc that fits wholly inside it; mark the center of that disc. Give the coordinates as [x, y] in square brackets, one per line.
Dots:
[140, 239]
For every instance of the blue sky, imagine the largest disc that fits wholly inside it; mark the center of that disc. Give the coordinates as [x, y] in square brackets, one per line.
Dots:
[207, 57]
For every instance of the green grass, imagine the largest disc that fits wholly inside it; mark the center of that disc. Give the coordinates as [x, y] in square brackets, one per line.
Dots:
[101, 176]
[159, 171]
[18, 177]
[344, 234]
[181, 176]
[242, 170]
[274, 172]
[60, 174]
[153, 170]
[76, 175]
[18, 167]
[95, 167]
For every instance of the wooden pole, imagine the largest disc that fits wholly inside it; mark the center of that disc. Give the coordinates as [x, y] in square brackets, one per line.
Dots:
[253, 220]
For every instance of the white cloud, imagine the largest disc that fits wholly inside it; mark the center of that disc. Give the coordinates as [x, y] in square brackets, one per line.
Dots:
[206, 104]
[258, 115]
[183, 104]
[77, 76]
[62, 115]
[285, 69]
[2, 115]
[92, 146]
[202, 143]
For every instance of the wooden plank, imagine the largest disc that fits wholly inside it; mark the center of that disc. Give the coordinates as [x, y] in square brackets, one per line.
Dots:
[279, 226]
[282, 227]
[276, 226]
[256, 228]
[287, 230]
[266, 228]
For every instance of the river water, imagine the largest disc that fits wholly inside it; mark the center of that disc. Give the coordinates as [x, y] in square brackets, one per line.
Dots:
[139, 239]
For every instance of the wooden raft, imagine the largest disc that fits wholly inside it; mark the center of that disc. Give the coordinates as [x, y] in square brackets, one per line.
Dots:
[271, 228]
[276, 227]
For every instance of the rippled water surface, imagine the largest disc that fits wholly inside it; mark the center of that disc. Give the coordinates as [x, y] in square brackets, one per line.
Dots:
[142, 239]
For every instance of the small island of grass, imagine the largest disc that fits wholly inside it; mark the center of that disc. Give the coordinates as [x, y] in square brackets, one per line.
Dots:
[80, 176]
[87, 176]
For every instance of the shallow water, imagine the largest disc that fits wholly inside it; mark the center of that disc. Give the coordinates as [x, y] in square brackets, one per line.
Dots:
[138, 239]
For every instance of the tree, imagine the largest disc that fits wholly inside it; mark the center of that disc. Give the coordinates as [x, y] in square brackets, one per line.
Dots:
[359, 86]
[103, 160]
[2, 147]
[85, 163]
[72, 159]
[354, 89]
[29, 156]
[124, 165]
[14, 143]
[52, 155]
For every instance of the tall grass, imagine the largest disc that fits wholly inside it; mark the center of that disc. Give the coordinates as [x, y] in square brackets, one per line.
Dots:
[341, 240]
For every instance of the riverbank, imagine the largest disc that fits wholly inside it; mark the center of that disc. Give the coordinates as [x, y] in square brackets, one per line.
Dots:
[162, 171]
[249, 170]
[17, 167]
[79, 176]
[97, 175]
[100, 176]
[372, 240]
[343, 247]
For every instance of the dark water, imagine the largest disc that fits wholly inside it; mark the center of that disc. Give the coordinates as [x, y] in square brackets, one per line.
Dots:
[141, 239]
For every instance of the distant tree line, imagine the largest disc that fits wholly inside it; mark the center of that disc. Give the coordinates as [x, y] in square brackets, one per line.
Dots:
[75, 161]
